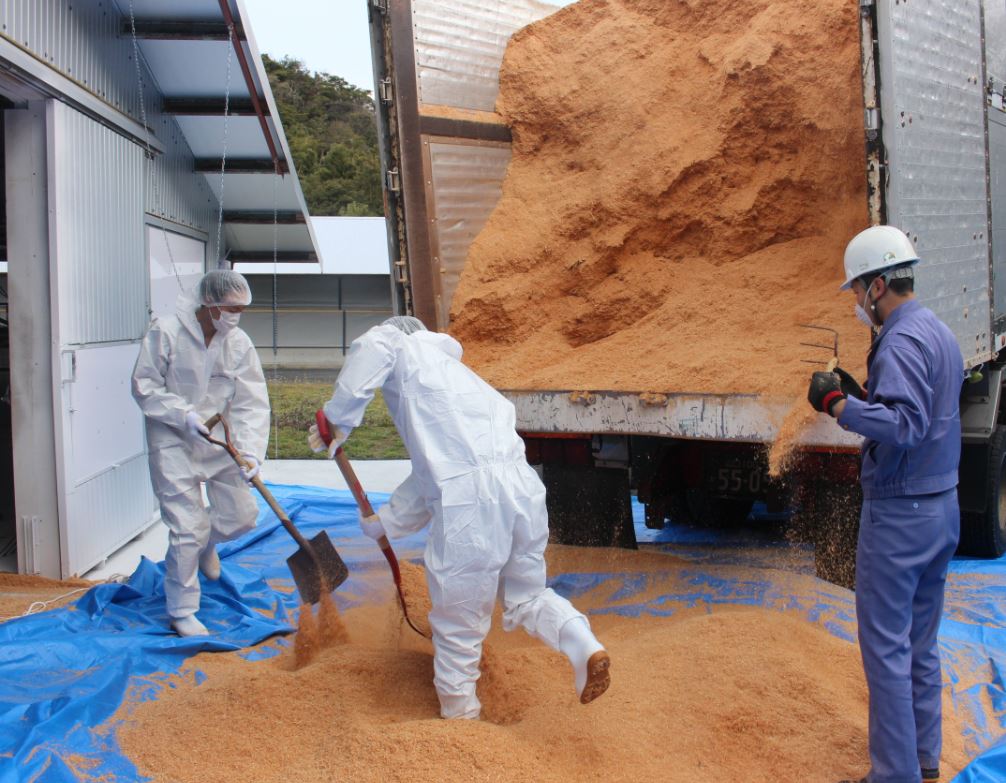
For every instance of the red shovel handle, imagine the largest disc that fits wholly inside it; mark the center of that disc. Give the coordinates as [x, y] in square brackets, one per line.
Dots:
[367, 510]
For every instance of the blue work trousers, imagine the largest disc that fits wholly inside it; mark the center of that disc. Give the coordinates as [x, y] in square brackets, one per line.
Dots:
[905, 547]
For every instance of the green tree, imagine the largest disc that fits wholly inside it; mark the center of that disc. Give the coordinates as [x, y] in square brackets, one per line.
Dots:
[332, 132]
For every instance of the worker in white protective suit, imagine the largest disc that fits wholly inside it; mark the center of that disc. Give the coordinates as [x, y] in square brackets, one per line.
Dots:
[485, 505]
[191, 366]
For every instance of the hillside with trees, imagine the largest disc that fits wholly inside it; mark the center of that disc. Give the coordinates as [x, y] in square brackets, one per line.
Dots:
[330, 126]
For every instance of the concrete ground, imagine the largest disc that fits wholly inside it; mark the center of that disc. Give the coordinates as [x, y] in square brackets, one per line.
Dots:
[374, 475]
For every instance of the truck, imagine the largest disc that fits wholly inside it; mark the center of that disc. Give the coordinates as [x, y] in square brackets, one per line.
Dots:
[695, 457]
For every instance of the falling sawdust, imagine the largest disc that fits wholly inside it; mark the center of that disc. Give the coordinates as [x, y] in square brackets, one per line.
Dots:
[331, 629]
[677, 203]
[799, 417]
[307, 640]
[416, 596]
[708, 693]
[316, 633]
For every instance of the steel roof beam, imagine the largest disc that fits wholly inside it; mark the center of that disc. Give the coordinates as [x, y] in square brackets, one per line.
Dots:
[240, 166]
[239, 50]
[181, 30]
[259, 217]
[266, 257]
[209, 107]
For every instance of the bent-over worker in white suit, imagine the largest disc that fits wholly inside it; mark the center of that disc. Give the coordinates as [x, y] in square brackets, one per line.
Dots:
[472, 485]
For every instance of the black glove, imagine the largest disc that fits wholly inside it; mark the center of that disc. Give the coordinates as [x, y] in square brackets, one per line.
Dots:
[850, 386]
[825, 392]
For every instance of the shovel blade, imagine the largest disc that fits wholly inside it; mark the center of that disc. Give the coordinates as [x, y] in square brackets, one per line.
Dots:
[305, 571]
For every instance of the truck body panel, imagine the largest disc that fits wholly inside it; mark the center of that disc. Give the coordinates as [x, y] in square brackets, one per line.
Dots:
[932, 100]
[928, 165]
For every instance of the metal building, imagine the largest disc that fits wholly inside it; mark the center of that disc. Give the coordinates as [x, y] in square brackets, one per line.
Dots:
[119, 117]
[305, 316]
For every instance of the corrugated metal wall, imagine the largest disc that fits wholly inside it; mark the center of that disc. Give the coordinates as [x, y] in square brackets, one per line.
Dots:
[101, 187]
[173, 191]
[98, 281]
[96, 190]
[83, 41]
[80, 40]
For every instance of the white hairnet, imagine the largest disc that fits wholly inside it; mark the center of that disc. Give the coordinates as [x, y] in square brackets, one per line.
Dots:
[224, 287]
[406, 323]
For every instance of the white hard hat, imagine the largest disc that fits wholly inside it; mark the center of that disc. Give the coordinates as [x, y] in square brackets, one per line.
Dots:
[876, 249]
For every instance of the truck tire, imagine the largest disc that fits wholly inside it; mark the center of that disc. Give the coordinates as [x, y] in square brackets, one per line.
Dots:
[655, 516]
[729, 512]
[589, 506]
[695, 507]
[983, 533]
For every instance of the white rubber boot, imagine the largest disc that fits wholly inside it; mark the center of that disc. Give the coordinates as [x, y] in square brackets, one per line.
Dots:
[209, 563]
[189, 626]
[590, 662]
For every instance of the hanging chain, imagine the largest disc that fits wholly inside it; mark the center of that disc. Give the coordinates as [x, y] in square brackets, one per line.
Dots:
[149, 155]
[223, 156]
[275, 306]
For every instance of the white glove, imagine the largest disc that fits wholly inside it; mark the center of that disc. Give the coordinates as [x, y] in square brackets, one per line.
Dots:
[371, 526]
[252, 470]
[317, 444]
[194, 425]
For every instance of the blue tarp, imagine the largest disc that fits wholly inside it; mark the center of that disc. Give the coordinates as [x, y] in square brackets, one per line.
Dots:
[64, 673]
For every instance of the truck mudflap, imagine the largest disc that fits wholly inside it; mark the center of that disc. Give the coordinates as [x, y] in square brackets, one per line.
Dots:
[740, 418]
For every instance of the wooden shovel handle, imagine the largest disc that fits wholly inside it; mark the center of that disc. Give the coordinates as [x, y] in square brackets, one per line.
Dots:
[257, 483]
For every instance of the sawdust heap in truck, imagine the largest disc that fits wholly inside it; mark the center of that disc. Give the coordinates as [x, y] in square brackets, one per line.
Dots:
[685, 176]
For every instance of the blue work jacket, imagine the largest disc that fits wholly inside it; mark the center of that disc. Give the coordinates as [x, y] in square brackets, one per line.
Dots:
[911, 417]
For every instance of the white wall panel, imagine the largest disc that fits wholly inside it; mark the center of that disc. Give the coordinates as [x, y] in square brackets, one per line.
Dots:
[107, 512]
[106, 425]
[171, 252]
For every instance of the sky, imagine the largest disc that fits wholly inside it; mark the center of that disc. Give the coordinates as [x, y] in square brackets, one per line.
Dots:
[326, 35]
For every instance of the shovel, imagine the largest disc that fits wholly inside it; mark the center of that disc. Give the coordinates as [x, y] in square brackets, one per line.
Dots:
[316, 565]
[363, 503]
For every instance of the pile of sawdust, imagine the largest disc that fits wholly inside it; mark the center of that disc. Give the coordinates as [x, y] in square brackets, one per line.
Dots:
[738, 694]
[19, 592]
[678, 201]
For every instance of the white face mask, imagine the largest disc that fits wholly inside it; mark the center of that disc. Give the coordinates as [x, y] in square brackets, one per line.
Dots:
[226, 321]
[861, 312]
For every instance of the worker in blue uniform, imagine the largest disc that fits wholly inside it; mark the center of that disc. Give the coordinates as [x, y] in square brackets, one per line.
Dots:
[909, 417]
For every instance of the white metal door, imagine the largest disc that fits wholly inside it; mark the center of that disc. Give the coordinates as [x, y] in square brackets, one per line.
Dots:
[176, 261]
[98, 286]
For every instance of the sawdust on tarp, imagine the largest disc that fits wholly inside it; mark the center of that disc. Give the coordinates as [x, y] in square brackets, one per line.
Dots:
[710, 693]
[19, 592]
[677, 203]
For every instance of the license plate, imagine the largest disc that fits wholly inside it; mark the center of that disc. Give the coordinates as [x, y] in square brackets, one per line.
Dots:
[738, 480]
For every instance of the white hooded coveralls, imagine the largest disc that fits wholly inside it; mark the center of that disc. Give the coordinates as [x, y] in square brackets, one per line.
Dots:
[472, 484]
[176, 373]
